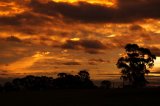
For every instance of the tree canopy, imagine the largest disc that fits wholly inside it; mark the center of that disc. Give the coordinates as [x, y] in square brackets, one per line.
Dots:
[135, 63]
[63, 81]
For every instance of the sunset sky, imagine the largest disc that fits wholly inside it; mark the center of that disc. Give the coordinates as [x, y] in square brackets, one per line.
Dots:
[45, 37]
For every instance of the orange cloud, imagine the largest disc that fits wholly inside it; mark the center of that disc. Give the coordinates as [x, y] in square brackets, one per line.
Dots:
[109, 3]
[11, 8]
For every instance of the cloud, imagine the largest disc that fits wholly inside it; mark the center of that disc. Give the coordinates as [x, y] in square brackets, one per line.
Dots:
[155, 50]
[96, 61]
[25, 18]
[90, 46]
[55, 15]
[136, 28]
[69, 44]
[126, 11]
[72, 63]
[51, 18]
[92, 63]
[93, 51]
[13, 48]
[3, 73]
[13, 39]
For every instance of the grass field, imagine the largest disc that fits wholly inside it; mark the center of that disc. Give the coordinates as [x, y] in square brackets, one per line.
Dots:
[97, 97]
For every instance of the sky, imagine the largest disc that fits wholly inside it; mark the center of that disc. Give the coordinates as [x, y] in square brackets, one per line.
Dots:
[45, 37]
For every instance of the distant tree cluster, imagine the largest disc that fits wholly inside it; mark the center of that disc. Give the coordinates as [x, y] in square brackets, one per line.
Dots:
[63, 81]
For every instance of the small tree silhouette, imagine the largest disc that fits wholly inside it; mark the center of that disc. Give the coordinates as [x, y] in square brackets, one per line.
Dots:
[135, 63]
[84, 75]
[85, 79]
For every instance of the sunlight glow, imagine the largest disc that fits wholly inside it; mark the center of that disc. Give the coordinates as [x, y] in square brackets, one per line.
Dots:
[109, 3]
[111, 36]
[123, 55]
[26, 62]
[40, 54]
[75, 39]
[157, 62]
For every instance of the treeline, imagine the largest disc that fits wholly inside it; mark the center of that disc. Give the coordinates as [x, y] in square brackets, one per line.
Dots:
[63, 81]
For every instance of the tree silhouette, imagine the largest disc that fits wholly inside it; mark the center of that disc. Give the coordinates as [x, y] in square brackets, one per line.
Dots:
[85, 79]
[84, 75]
[63, 81]
[62, 75]
[135, 63]
[105, 84]
[8, 86]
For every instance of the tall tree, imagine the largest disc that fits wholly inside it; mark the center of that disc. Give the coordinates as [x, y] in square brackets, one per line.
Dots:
[135, 63]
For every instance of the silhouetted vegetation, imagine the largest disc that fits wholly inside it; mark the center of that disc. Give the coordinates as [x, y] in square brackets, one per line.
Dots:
[1, 88]
[106, 84]
[135, 63]
[82, 80]
[63, 81]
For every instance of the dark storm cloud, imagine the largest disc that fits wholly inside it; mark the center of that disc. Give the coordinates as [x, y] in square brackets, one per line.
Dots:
[126, 11]
[84, 44]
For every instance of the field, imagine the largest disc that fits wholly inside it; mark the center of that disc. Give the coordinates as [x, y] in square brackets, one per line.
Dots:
[98, 97]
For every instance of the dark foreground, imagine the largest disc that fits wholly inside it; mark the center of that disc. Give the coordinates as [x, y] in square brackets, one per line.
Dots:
[98, 97]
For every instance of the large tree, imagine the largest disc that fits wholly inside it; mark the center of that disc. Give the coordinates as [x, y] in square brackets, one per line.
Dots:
[135, 64]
